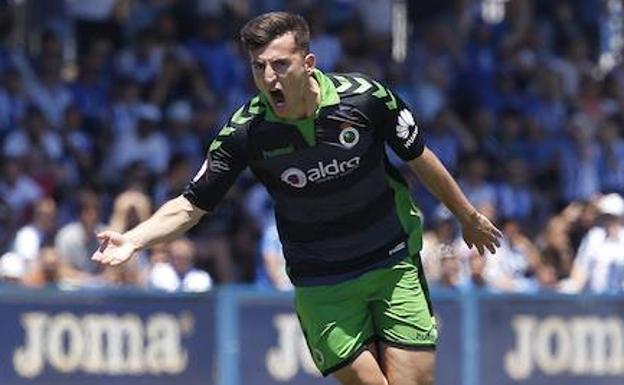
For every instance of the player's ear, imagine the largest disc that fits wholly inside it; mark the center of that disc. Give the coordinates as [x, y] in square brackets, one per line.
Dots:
[309, 62]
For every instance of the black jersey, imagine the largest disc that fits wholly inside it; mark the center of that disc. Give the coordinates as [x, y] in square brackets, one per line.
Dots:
[341, 208]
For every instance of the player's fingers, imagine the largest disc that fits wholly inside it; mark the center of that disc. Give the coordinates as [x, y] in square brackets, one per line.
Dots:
[494, 238]
[108, 257]
[480, 248]
[104, 235]
[491, 248]
[96, 256]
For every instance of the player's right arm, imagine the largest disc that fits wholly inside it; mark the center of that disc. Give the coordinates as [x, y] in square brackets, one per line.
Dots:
[225, 160]
[170, 221]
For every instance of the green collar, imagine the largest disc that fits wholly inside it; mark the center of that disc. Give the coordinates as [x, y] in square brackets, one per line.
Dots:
[329, 97]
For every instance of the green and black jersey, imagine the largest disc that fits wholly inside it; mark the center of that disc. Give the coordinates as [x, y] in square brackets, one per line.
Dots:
[341, 208]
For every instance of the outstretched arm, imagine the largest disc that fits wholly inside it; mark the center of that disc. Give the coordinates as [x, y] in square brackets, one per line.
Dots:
[478, 231]
[168, 222]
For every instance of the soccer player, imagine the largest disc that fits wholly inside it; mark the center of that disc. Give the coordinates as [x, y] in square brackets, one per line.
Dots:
[350, 233]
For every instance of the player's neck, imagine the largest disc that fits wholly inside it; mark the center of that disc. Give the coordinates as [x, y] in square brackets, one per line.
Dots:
[311, 98]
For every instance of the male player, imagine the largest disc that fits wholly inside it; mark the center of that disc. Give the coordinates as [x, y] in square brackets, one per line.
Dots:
[350, 233]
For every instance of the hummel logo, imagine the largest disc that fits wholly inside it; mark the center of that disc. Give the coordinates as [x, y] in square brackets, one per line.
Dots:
[397, 248]
[278, 151]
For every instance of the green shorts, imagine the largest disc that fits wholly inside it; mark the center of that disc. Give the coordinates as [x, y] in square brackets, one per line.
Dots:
[390, 305]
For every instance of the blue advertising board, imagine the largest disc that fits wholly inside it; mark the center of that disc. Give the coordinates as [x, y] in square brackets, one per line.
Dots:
[543, 340]
[274, 350]
[449, 359]
[269, 347]
[57, 338]
[238, 335]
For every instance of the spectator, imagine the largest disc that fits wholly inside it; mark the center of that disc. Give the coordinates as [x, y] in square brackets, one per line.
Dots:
[179, 274]
[599, 263]
[34, 138]
[90, 90]
[38, 233]
[476, 273]
[515, 262]
[149, 147]
[13, 268]
[130, 208]
[51, 270]
[450, 268]
[215, 56]
[141, 62]
[76, 241]
[272, 268]
[13, 101]
[183, 140]
[611, 162]
[475, 185]
[515, 197]
[578, 161]
[17, 188]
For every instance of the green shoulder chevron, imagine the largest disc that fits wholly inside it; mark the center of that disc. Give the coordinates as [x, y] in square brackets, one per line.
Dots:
[356, 84]
[242, 116]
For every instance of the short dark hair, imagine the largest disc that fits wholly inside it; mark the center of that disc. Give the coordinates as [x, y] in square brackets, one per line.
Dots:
[262, 29]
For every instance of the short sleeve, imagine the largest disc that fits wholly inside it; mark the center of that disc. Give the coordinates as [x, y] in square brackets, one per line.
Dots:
[226, 159]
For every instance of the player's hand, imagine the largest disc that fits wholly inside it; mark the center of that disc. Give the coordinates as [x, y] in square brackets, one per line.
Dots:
[481, 233]
[114, 248]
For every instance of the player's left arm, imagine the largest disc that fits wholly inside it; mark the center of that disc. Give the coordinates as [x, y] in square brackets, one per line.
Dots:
[478, 231]
[398, 127]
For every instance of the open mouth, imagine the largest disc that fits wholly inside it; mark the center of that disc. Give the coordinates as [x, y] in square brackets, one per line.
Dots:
[277, 96]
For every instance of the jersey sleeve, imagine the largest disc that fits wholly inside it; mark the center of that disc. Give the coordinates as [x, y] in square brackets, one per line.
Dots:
[395, 122]
[226, 159]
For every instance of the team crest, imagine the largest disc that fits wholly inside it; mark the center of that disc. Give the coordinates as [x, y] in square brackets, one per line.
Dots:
[349, 137]
[318, 356]
[294, 177]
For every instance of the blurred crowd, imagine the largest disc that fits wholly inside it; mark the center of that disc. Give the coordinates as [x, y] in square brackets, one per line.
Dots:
[107, 108]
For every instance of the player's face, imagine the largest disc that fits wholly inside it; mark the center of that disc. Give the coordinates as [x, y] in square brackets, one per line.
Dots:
[281, 71]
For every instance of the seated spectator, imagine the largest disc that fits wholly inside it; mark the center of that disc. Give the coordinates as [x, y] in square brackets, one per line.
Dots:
[179, 172]
[142, 61]
[50, 270]
[611, 163]
[179, 273]
[438, 242]
[272, 268]
[13, 101]
[579, 161]
[18, 189]
[38, 233]
[516, 260]
[126, 275]
[13, 268]
[476, 273]
[148, 147]
[599, 263]
[474, 182]
[555, 247]
[450, 276]
[77, 240]
[34, 136]
[130, 208]
[182, 138]
[515, 197]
